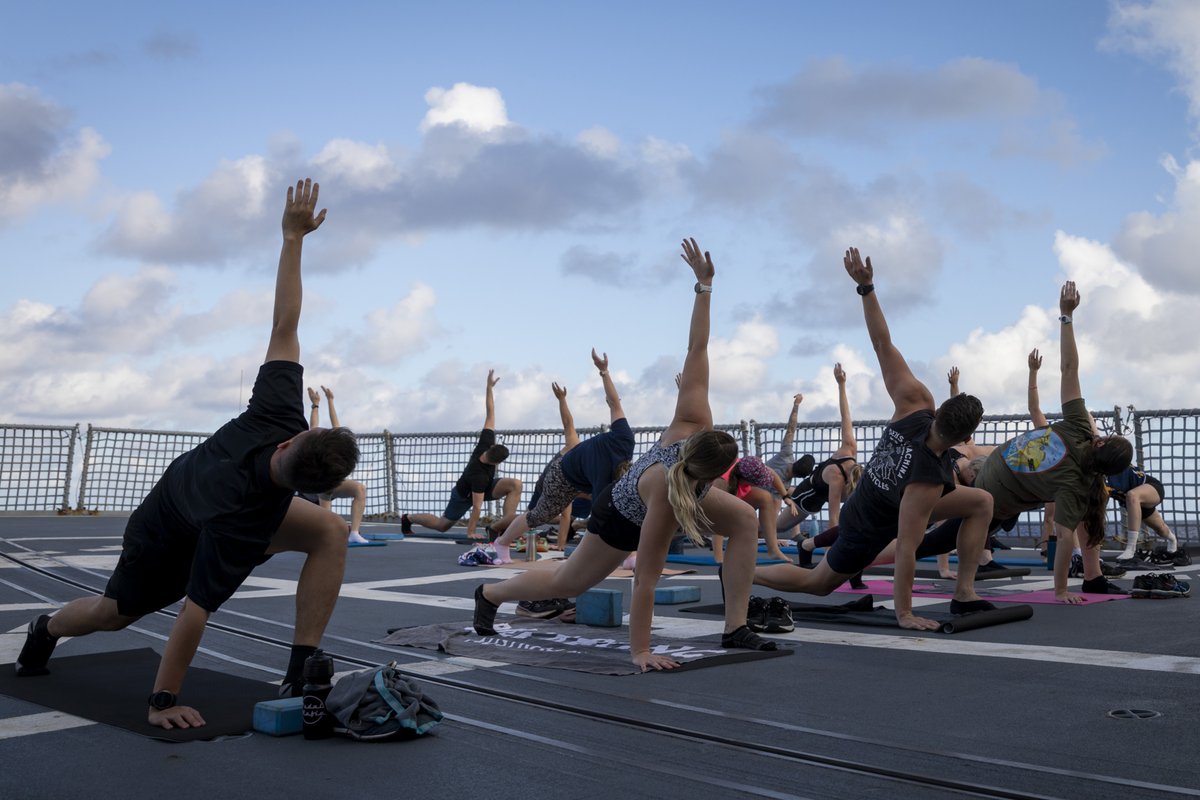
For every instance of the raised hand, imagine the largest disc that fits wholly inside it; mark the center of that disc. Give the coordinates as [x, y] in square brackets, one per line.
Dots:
[313, 397]
[328, 392]
[492, 379]
[952, 376]
[861, 271]
[1035, 360]
[298, 217]
[678, 379]
[701, 263]
[839, 374]
[600, 362]
[797, 399]
[559, 391]
[1068, 299]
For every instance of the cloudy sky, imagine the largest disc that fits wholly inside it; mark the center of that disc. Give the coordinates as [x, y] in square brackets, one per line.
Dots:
[508, 184]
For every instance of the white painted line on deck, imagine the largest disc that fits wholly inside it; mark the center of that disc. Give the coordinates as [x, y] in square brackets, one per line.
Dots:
[27, 606]
[40, 723]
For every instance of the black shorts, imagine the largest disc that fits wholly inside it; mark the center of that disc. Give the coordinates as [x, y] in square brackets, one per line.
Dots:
[161, 563]
[855, 550]
[611, 525]
[1158, 487]
[941, 539]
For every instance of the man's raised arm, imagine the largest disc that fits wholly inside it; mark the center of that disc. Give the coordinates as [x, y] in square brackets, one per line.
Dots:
[298, 221]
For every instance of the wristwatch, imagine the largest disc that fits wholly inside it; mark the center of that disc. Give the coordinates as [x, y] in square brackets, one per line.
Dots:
[865, 289]
[703, 288]
[1064, 319]
[162, 700]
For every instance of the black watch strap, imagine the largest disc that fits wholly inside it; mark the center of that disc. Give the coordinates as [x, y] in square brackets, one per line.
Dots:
[162, 700]
[865, 288]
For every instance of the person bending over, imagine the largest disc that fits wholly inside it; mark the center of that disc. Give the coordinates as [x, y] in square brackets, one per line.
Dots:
[580, 468]
[907, 482]
[1141, 493]
[752, 482]
[225, 507]
[666, 489]
[1065, 463]
[354, 490]
[477, 483]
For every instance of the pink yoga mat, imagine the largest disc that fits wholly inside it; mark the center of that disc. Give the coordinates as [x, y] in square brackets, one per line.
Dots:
[1045, 596]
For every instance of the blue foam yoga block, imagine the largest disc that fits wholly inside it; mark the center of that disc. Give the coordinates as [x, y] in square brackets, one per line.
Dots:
[600, 607]
[281, 717]
[674, 595]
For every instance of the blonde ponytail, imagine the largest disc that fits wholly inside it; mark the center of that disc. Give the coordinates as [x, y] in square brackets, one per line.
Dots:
[688, 513]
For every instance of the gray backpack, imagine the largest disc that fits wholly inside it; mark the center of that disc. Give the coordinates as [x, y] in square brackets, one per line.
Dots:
[380, 703]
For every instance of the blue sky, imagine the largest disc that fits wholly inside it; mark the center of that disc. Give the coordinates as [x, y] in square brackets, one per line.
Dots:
[508, 184]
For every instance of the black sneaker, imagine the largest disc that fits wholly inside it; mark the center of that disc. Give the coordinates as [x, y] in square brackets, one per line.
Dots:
[1076, 569]
[1101, 585]
[1111, 570]
[1160, 585]
[1179, 558]
[1133, 564]
[485, 614]
[990, 566]
[39, 644]
[756, 615]
[541, 609]
[745, 639]
[856, 582]
[778, 617]
[405, 524]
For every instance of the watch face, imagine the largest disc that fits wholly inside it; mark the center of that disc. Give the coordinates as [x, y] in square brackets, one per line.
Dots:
[162, 700]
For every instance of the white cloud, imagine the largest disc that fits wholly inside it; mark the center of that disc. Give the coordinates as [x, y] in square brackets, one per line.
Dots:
[41, 160]
[479, 108]
[600, 142]
[1163, 29]
[1164, 246]
[393, 334]
[356, 164]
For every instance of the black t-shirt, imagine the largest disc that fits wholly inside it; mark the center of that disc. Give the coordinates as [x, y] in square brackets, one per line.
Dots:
[900, 458]
[478, 477]
[221, 493]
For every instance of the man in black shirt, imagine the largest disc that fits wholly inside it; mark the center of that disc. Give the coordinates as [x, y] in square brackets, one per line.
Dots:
[477, 483]
[907, 482]
[227, 506]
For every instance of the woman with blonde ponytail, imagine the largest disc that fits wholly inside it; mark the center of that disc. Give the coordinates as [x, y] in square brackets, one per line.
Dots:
[664, 491]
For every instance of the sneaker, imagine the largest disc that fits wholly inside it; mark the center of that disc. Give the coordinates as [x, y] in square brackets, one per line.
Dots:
[1076, 569]
[778, 617]
[1161, 558]
[1101, 585]
[1133, 564]
[541, 609]
[991, 566]
[856, 582]
[405, 524]
[1160, 585]
[745, 639]
[1111, 570]
[485, 614]
[39, 644]
[756, 615]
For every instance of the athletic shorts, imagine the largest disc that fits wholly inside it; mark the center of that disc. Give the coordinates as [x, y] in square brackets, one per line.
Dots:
[556, 494]
[160, 564]
[1158, 487]
[855, 550]
[611, 525]
[458, 506]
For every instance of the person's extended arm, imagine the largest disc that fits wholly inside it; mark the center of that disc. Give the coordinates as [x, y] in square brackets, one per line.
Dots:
[1035, 406]
[849, 445]
[177, 656]
[333, 417]
[908, 394]
[692, 410]
[564, 413]
[314, 418]
[298, 220]
[1062, 564]
[615, 412]
[782, 490]
[790, 433]
[915, 507]
[1068, 301]
[489, 403]
[657, 530]
[476, 510]
[952, 377]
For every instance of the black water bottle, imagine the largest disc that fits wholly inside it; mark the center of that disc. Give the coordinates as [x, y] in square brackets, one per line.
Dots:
[318, 680]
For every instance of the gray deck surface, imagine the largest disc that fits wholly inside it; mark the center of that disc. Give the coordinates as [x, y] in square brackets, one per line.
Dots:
[1020, 707]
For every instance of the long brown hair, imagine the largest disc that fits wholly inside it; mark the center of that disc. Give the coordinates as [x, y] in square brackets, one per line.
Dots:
[1111, 458]
[705, 455]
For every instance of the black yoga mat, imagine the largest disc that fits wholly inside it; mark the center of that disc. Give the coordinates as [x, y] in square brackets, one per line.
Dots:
[862, 611]
[112, 688]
